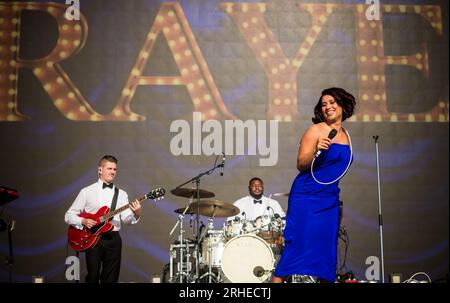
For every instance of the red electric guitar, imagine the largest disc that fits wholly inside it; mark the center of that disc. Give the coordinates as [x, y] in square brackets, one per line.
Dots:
[82, 239]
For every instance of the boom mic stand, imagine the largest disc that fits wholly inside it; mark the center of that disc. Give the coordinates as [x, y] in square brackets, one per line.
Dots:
[380, 217]
[197, 186]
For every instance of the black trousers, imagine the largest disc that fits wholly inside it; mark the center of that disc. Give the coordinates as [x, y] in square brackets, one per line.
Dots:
[103, 260]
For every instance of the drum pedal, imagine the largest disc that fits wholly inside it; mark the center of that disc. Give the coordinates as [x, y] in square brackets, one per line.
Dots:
[302, 279]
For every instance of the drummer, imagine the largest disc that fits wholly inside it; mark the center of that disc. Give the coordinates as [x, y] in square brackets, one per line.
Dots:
[256, 204]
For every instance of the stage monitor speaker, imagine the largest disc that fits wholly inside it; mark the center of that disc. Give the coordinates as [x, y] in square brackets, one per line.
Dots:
[395, 278]
[38, 279]
[156, 279]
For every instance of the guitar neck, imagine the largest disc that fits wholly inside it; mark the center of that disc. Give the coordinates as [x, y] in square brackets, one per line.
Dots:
[121, 209]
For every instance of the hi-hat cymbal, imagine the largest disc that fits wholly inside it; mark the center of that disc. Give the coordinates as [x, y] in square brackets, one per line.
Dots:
[192, 193]
[211, 208]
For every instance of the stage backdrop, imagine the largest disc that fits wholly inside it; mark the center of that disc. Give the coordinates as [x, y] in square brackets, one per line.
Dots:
[168, 86]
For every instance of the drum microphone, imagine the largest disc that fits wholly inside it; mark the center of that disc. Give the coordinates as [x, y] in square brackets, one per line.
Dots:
[270, 208]
[243, 220]
[259, 271]
[331, 135]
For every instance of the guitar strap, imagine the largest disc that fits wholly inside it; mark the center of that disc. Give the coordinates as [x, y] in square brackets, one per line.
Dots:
[114, 200]
[113, 208]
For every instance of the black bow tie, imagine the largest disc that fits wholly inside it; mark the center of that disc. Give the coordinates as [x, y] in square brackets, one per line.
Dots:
[257, 201]
[110, 185]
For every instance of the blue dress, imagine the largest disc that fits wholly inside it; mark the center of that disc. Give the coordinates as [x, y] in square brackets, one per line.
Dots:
[312, 220]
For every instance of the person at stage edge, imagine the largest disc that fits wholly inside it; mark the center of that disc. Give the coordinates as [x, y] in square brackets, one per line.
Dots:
[103, 259]
[256, 204]
[312, 221]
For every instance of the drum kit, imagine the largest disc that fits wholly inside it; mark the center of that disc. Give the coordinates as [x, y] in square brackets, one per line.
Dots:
[241, 251]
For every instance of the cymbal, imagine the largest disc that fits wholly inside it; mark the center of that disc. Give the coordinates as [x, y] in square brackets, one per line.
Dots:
[192, 193]
[280, 195]
[211, 208]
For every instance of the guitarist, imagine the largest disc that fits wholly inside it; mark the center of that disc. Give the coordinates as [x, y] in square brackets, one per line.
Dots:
[103, 259]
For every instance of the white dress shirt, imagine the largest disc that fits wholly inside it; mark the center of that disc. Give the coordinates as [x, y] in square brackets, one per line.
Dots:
[92, 198]
[253, 210]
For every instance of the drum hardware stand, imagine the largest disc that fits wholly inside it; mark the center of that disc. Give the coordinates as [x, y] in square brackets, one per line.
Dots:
[180, 239]
[303, 279]
[380, 217]
[244, 222]
[210, 274]
[259, 272]
[197, 186]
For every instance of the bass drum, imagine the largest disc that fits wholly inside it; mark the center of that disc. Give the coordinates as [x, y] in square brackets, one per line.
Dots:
[247, 259]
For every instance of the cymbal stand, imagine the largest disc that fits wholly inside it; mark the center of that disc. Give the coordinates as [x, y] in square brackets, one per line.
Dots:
[180, 239]
[197, 186]
[210, 274]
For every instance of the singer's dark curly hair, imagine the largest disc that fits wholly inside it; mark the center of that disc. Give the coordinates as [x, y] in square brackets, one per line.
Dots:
[342, 97]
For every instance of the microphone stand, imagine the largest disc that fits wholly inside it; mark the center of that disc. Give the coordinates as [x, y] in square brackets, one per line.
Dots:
[197, 184]
[10, 259]
[380, 217]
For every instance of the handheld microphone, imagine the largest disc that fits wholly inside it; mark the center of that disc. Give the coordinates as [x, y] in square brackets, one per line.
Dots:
[223, 164]
[331, 135]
